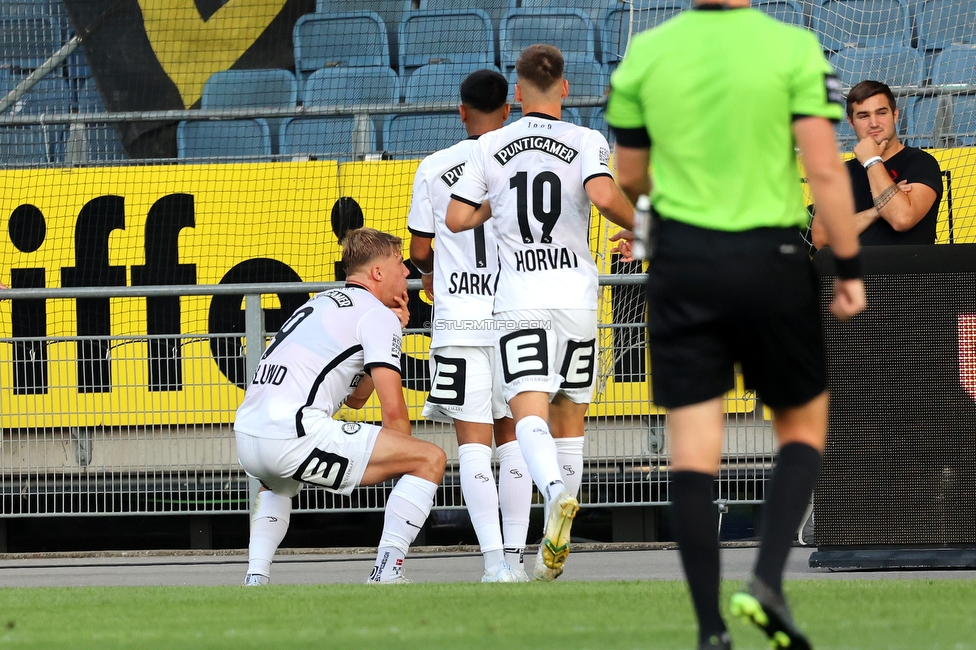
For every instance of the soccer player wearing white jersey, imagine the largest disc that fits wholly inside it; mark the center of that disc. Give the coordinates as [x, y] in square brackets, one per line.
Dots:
[338, 347]
[540, 175]
[464, 388]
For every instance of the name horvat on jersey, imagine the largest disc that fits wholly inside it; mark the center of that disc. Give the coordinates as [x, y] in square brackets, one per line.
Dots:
[545, 259]
[470, 283]
[536, 143]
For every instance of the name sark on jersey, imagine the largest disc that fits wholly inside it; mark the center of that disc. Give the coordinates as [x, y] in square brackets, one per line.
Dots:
[479, 284]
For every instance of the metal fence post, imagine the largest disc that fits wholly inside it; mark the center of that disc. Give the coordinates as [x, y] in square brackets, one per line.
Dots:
[253, 349]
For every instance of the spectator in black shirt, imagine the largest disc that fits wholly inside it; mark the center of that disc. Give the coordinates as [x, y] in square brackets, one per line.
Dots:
[880, 168]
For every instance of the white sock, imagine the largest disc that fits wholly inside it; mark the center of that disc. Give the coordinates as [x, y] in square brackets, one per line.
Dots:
[570, 454]
[515, 499]
[480, 496]
[539, 452]
[269, 523]
[406, 511]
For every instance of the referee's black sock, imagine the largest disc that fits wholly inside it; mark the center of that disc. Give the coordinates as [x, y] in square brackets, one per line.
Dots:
[694, 523]
[787, 497]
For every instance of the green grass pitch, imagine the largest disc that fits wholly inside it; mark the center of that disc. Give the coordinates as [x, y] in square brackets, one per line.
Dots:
[848, 615]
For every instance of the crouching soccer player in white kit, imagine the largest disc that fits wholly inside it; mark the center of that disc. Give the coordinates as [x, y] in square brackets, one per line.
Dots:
[539, 176]
[465, 388]
[340, 345]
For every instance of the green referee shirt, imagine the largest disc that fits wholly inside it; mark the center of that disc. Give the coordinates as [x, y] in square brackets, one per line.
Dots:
[714, 93]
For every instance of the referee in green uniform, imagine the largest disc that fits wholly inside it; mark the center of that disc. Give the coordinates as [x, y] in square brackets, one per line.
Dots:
[720, 95]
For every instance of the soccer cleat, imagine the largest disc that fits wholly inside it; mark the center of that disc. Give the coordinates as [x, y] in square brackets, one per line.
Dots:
[555, 544]
[520, 575]
[723, 642]
[255, 580]
[764, 608]
[543, 573]
[399, 579]
[503, 574]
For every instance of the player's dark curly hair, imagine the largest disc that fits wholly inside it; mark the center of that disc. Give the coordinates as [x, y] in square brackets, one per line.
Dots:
[484, 90]
[540, 65]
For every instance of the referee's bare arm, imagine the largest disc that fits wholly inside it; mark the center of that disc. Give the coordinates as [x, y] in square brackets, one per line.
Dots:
[610, 201]
[831, 187]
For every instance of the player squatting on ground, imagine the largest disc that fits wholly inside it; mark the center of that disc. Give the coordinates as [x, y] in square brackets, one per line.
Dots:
[535, 180]
[337, 348]
[460, 279]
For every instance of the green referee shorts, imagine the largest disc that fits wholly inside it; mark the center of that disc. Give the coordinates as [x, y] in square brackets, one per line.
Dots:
[720, 298]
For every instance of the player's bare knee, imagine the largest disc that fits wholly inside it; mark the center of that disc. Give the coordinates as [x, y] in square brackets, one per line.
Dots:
[429, 462]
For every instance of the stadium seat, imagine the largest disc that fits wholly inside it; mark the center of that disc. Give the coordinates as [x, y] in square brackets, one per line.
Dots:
[599, 123]
[323, 138]
[942, 23]
[438, 82]
[332, 86]
[595, 9]
[102, 140]
[786, 11]
[219, 139]
[616, 24]
[267, 88]
[946, 121]
[571, 30]
[460, 36]
[894, 65]
[862, 23]
[24, 146]
[845, 135]
[955, 65]
[375, 85]
[495, 9]
[349, 39]
[416, 135]
[25, 43]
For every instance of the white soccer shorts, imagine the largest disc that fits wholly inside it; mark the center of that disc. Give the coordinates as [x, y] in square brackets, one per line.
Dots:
[548, 351]
[332, 455]
[465, 385]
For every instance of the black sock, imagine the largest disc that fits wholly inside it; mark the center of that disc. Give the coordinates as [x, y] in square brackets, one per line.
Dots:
[787, 497]
[694, 523]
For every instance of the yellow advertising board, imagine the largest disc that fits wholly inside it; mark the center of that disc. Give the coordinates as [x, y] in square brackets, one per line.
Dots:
[211, 224]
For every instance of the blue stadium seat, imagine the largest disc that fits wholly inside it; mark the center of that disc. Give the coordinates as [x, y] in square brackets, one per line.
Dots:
[955, 65]
[248, 139]
[595, 9]
[571, 30]
[460, 36]
[266, 88]
[845, 135]
[374, 85]
[439, 82]
[25, 43]
[893, 65]
[322, 138]
[942, 23]
[571, 115]
[270, 87]
[347, 39]
[862, 23]
[24, 146]
[786, 11]
[495, 9]
[102, 139]
[416, 135]
[616, 24]
[945, 121]
[598, 122]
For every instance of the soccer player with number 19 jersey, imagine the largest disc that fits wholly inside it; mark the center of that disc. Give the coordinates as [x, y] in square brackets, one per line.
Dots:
[540, 175]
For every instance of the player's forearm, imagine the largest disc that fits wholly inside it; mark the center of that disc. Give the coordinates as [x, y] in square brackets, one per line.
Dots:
[610, 201]
[397, 421]
[422, 254]
[464, 216]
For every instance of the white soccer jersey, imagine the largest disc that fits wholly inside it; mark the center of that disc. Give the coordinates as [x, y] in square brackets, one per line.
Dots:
[532, 173]
[465, 264]
[316, 360]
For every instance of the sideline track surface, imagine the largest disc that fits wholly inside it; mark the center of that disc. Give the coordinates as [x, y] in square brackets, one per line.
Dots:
[350, 566]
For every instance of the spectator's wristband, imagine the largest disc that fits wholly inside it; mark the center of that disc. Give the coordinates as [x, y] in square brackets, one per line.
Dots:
[431, 272]
[848, 268]
[871, 162]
